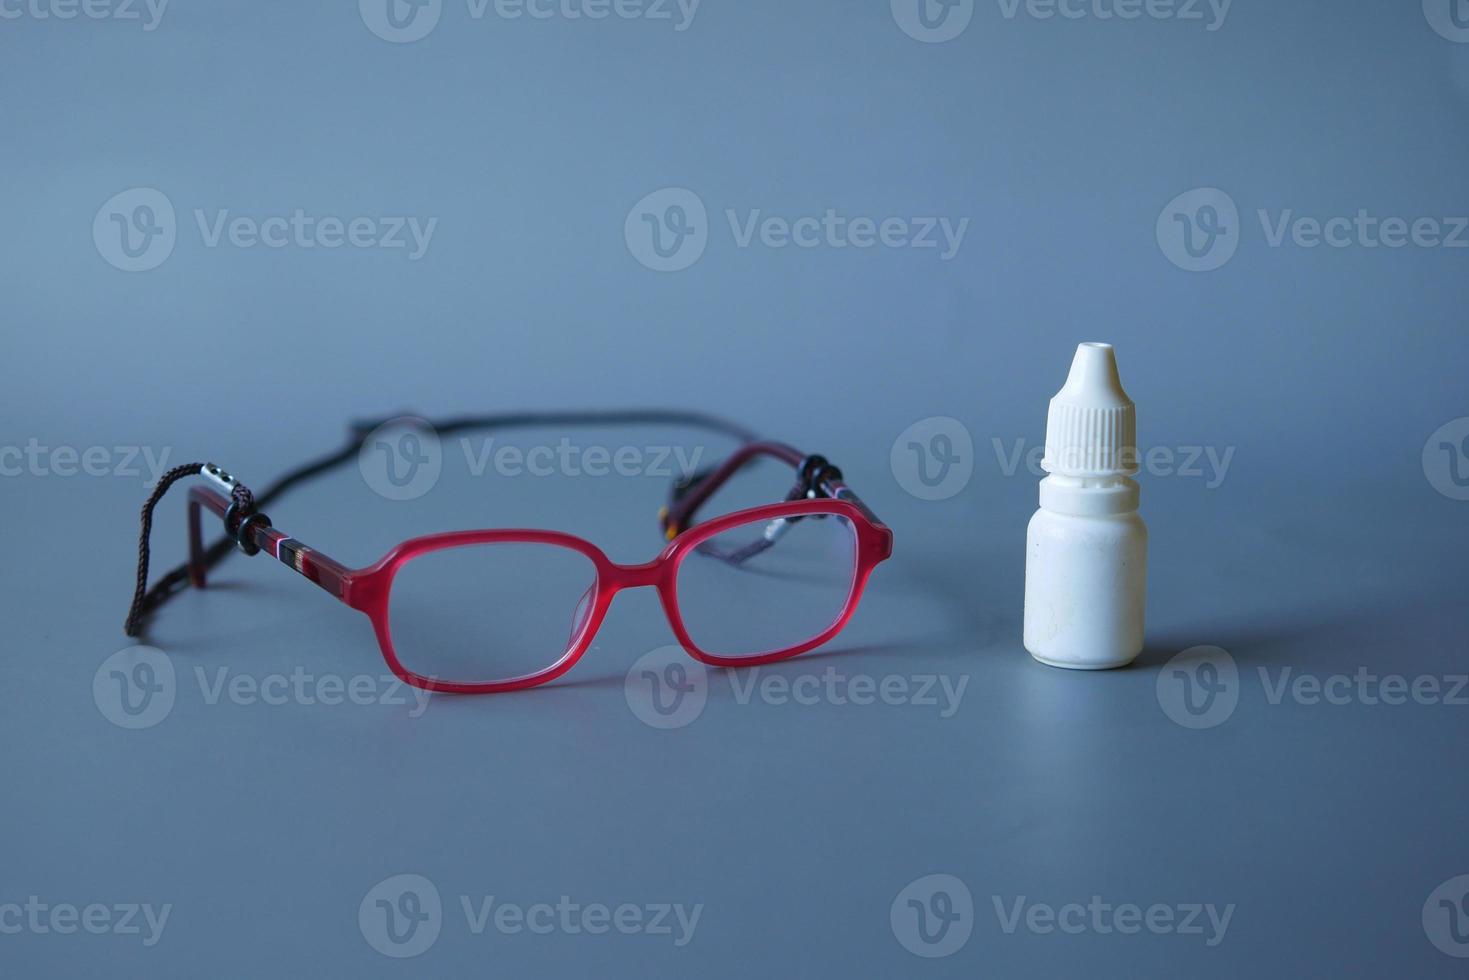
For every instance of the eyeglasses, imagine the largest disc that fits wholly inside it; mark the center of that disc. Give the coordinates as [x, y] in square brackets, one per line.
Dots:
[502, 610]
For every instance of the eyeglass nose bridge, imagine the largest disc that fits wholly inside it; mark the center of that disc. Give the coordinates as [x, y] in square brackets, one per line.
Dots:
[653, 573]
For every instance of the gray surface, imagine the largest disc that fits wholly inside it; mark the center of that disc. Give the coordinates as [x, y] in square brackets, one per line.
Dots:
[1325, 548]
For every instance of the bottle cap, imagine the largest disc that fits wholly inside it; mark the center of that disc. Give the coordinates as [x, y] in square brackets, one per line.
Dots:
[1091, 430]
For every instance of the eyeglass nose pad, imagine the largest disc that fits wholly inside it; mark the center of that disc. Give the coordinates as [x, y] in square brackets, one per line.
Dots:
[580, 614]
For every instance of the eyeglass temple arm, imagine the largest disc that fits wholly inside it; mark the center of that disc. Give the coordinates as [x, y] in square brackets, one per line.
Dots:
[325, 572]
[817, 478]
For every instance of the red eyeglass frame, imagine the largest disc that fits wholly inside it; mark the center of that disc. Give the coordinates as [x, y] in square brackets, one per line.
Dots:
[368, 589]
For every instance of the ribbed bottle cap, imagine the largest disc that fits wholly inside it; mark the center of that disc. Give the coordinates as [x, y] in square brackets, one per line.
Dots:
[1091, 430]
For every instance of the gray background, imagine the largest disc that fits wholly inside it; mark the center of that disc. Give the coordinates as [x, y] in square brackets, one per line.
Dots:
[1325, 548]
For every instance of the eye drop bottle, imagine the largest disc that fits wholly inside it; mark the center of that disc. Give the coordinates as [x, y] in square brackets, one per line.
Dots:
[1086, 548]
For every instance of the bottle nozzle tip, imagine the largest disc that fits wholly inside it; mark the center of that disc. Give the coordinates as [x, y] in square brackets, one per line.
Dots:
[1094, 374]
[1091, 428]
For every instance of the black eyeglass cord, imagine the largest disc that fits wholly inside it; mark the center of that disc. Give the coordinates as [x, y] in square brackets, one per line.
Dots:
[245, 505]
[145, 600]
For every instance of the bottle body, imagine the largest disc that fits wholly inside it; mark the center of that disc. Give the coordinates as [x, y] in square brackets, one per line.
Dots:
[1086, 566]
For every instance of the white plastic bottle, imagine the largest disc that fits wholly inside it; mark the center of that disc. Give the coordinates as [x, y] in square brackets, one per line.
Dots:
[1086, 559]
